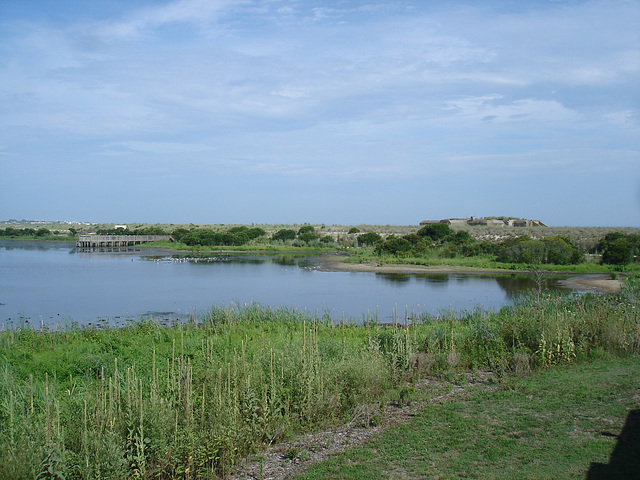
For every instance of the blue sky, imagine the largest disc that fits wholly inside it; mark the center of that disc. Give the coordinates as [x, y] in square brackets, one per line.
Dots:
[336, 112]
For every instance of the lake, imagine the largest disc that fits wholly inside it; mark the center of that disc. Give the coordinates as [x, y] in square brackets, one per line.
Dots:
[53, 283]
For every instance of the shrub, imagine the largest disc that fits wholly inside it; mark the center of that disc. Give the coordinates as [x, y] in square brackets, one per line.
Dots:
[306, 229]
[435, 231]
[548, 250]
[394, 246]
[370, 238]
[178, 233]
[618, 248]
[413, 238]
[283, 235]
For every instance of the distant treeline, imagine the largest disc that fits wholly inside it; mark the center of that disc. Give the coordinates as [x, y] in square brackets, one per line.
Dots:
[438, 239]
[135, 231]
[234, 236]
[11, 232]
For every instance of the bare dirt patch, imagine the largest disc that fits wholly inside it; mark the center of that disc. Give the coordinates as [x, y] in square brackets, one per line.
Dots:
[600, 283]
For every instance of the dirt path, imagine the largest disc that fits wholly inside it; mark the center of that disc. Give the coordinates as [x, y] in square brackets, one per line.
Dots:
[285, 460]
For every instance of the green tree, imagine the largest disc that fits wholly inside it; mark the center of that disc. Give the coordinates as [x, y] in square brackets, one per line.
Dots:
[394, 246]
[370, 238]
[561, 251]
[412, 238]
[284, 235]
[306, 229]
[435, 231]
[307, 237]
[548, 250]
[619, 252]
[255, 232]
[178, 233]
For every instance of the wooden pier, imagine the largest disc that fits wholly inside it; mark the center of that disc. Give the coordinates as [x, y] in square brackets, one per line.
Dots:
[97, 241]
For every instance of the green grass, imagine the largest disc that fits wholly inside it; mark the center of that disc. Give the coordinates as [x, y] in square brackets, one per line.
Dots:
[487, 262]
[549, 425]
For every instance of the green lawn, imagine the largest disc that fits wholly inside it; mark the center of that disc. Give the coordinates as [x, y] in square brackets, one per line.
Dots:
[550, 425]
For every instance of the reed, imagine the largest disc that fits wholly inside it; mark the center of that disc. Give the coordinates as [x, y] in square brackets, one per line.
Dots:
[187, 401]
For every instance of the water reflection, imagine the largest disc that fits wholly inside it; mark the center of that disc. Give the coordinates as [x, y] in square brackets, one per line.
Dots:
[516, 284]
[512, 284]
[38, 245]
[43, 282]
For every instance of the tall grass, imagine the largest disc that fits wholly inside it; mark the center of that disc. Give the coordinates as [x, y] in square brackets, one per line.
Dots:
[187, 401]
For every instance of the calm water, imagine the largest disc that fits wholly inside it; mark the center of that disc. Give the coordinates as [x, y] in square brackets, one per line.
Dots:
[54, 283]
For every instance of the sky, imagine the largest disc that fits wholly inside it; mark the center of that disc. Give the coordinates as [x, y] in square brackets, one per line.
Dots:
[335, 112]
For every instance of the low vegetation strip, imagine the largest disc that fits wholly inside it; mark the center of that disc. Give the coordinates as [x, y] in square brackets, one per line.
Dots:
[188, 401]
[512, 248]
[560, 423]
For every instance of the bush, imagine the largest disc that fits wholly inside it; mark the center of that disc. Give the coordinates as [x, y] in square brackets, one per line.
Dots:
[178, 233]
[413, 238]
[307, 237]
[618, 248]
[435, 231]
[548, 250]
[283, 235]
[394, 246]
[306, 229]
[370, 238]
[235, 236]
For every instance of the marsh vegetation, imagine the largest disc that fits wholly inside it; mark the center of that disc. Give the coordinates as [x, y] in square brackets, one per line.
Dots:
[188, 401]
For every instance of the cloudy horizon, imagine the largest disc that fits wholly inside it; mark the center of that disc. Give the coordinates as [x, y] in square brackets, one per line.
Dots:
[337, 112]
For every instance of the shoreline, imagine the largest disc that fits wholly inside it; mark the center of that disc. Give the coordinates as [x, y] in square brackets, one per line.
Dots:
[600, 283]
[336, 263]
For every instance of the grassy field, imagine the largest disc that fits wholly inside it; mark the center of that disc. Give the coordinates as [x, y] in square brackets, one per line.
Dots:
[554, 424]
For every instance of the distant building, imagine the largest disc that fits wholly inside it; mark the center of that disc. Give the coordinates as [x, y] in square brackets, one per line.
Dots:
[455, 221]
[495, 222]
[491, 222]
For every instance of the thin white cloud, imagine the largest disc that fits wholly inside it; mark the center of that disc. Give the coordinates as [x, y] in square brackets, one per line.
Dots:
[395, 89]
[489, 108]
[197, 12]
[160, 147]
[625, 119]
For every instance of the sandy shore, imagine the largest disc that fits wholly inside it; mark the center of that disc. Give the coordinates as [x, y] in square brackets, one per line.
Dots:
[597, 283]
